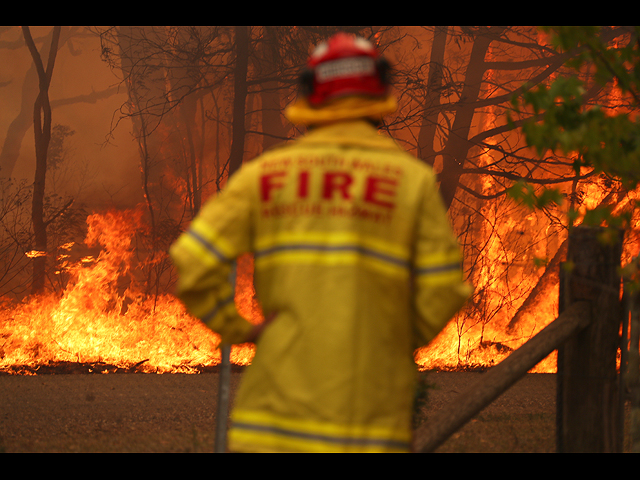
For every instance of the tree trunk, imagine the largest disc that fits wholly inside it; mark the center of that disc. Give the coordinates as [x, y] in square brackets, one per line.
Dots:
[194, 156]
[458, 145]
[273, 129]
[19, 126]
[146, 85]
[42, 134]
[429, 125]
[239, 99]
[548, 280]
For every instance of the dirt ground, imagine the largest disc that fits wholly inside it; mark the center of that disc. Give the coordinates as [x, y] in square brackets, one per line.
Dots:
[177, 413]
[521, 420]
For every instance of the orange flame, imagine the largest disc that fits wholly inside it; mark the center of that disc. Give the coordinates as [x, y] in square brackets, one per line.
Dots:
[102, 318]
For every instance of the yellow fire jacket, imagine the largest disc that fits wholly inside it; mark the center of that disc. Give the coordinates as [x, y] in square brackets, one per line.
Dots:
[354, 251]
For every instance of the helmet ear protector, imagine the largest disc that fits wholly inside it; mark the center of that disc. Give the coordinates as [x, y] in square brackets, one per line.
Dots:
[305, 82]
[384, 71]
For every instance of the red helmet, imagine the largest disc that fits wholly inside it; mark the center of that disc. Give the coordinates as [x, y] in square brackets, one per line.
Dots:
[344, 65]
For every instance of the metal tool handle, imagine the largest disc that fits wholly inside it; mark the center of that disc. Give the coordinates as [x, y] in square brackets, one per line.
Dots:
[224, 378]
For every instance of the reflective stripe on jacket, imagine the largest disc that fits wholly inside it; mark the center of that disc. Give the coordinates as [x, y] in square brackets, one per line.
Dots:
[354, 251]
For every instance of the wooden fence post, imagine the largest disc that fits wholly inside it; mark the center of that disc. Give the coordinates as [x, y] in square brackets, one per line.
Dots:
[588, 409]
[632, 372]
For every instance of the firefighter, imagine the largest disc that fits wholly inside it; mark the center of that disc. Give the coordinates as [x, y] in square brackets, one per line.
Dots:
[355, 264]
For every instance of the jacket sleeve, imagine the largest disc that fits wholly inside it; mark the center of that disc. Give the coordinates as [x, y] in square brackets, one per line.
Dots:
[439, 289]
[204, 258]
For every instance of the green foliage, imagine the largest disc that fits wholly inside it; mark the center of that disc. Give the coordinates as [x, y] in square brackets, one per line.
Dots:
[525, 193]
[602, 142]
[619, 61]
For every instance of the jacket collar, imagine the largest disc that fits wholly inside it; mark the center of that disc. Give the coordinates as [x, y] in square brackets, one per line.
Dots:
[353, 107]
[349, 133]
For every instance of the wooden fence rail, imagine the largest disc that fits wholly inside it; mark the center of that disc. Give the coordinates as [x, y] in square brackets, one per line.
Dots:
[587, 336]
[499, 378]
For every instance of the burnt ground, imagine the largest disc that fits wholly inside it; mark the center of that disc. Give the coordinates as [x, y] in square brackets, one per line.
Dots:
[177, 413]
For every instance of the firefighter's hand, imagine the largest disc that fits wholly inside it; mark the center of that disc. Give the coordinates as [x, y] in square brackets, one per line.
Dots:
[257, 329]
